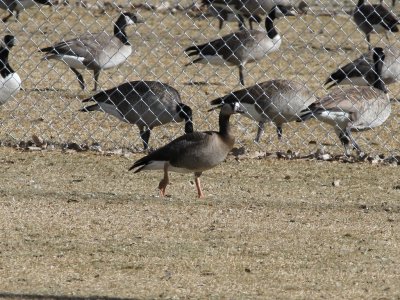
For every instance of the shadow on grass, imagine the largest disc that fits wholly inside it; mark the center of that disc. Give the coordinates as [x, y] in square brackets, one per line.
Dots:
[57, 297]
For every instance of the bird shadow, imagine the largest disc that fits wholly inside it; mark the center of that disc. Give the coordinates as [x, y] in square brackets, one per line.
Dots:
[58, 297]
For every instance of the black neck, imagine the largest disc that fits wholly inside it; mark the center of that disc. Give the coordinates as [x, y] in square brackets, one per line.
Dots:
[185, 112]
[224, 126]
[269, 26]
[360, 2]
[119, 30]
[377, 79]
[5, 68]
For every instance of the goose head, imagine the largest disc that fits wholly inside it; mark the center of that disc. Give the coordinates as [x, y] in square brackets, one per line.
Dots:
[279, 11]
[228, 109]
[8, 42]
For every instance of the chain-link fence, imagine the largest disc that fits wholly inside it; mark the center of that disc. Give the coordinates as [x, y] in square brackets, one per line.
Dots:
[316, 38]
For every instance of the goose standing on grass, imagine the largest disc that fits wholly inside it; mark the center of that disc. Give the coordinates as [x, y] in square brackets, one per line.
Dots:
[224, 12]
[277, 101]
[241, 47]
[10, 83]
[361, 71]
[145, 103]
[95, 52]
[354, 108]
[374, 19]
[192, 153]
[18, 5]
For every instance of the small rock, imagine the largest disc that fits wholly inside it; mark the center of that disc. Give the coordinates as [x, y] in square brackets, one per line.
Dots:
[336, 182]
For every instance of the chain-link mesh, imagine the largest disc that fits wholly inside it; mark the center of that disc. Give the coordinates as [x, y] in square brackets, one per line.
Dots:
[315, 42]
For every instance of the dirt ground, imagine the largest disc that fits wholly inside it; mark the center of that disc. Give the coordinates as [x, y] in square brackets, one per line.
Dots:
[78, 225]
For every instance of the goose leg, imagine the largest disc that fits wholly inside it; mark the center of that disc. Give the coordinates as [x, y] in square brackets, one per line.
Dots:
[368, 41]
[198, 186]
[353, 142]
[80, 78]
[145, 136]
[279, 132]
[221, 22]
[5, 19]
[260, 131]
[393, 3]
[96, 74]
[241, 74]
[241, 22]
[162, 186]
[345, 140]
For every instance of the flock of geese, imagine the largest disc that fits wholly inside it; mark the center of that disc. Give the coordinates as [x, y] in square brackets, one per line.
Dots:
[362, 106]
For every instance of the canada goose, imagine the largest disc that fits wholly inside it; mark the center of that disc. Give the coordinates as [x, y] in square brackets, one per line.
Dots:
[243, 46]
[252, 7]
[18, 5]
[145, 103]
[95, 51]
[223, 12]
[194, 152]
[374, 19]
[277, 101]
[361, 71]
[10, 83]
[354, 108]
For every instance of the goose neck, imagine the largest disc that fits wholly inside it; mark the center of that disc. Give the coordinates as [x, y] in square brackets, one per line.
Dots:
[119, 32]
[224, 125]
[377, 76]
[269, 27]
[5, 68]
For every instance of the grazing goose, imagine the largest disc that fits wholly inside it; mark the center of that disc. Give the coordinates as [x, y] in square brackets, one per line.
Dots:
[10, 83]
[18, 5]
[95, 51]
[354, 108]
[361, 71]
[145, 103]
[222, 10]
[374, 19]
[276, 101]
[243, 46]
[194, 152]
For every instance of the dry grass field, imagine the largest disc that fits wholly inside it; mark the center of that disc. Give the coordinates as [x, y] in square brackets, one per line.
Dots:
[78, 225]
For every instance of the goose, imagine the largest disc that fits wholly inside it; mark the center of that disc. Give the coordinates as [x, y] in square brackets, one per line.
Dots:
[10, 82]
[193, 152]
[354, 108]
[361, 71]
[222, 10]
[241, 47]
[19, 5]
[145, 103]
[277, 101]
[95, 52]
[251, 7]
[374, 19]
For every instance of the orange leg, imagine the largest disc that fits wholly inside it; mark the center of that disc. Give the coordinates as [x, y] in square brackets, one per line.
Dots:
[198, 186]
[164, 182]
